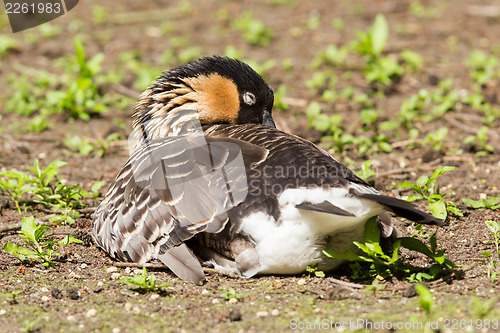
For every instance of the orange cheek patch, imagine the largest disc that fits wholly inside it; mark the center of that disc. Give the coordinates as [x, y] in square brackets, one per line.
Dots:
[217, 98]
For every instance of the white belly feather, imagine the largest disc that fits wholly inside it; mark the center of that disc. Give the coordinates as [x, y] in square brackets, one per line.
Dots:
[297, 240]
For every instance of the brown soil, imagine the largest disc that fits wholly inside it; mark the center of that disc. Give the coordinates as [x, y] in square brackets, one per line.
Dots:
[81, 294]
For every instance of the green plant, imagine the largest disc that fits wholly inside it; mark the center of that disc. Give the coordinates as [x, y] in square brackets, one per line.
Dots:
[254, 31]
[483, 67]
[310, 270]
[279, 96]
[227, 294]
[479, 141]
[7, 44]
[365, 171]
[77, 93]
[428, 190]
[12, 295]
[426, 300]
[47, 190]
[491, 203]
[489, 260]
[38, 248]
[144, 282]
[79, 145]
[436, 139]
[16, 185]
[374, 263]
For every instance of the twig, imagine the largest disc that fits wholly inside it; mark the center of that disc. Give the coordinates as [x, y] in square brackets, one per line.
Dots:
[396, 171]
[134, 264]
[484, 11]
[347, 284]
[125, 91]
[458, 124]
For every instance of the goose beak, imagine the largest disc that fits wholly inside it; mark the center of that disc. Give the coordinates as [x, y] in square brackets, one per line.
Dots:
[267, 119]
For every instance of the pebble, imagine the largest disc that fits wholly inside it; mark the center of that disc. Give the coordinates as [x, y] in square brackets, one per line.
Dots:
[233, 301]
[261, 314]
[301, 282]
[275, 312]
[128, 270]
[128, 306]
[74, 275]
[215, 301]
[116, 330]
[110, 270]
[292, 313]
[45, 298]
[100, 284]
[2, 312]
[136, 310]
[44, 290]
[115, 276]
[71, 318]
[205, 292]
[83, 266]
[155, 296]
[91, 313]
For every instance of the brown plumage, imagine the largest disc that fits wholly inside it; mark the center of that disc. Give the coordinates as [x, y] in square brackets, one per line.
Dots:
[211, 179]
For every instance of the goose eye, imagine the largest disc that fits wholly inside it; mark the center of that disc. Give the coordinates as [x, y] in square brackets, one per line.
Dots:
[249, 98]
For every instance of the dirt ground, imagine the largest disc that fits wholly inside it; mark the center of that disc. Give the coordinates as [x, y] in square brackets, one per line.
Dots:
[82, 294]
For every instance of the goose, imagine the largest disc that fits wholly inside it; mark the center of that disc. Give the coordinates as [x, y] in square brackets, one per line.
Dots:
[211, 180]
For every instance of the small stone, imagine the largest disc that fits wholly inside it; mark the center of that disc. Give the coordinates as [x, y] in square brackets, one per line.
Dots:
[155, 296]
[83, 266]
[74, 294]
[234, 315]
[317, 310]
[233, 301]
[136, 310]
[44, 290]
[91, 313]
[56, 293]
[110, 270]
[261, 314]
[116, 330]
[268, 297]
[100, 284]
[2, 312]
[128, 270]
[128, 306]
[115, 276]
[275, 312]
[45, 298]
[73, 275]
[301, 282]
[71, 318]
[215, 301]
[292, 313]
[205, 292]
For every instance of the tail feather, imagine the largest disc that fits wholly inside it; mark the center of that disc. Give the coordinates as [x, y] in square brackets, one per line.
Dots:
[403, 209]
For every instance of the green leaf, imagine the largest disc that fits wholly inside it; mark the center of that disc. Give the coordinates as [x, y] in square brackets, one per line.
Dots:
[372, 232]
[28, 227]
[493, 226]
[68, 240]
[414, 244]
[379, 34]
[473, 203]
[19, 251]
[438, 209]
[426, 300]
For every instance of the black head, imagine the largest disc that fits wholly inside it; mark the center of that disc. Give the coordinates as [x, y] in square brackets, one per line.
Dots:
[221, 89]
